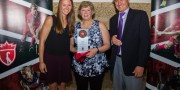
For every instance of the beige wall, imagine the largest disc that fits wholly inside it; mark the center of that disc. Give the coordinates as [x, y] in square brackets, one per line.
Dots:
[131, 1]
[105, 10]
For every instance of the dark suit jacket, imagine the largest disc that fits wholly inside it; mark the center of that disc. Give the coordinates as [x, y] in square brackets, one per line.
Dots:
[136, 40]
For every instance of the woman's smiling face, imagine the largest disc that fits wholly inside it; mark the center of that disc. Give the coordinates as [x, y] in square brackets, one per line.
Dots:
[86, 13]
[66, 7]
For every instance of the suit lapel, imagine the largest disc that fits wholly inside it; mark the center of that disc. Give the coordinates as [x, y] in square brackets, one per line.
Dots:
[116, 22]
[128, 20]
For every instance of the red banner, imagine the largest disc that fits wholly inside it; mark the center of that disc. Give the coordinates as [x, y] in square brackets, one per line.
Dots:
[163, 71]
[20, 24]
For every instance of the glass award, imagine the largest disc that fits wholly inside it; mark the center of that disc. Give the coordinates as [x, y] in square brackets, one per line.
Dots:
[82, 40]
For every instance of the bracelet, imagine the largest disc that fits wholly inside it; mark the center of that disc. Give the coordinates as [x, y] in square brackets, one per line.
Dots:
[97, 49]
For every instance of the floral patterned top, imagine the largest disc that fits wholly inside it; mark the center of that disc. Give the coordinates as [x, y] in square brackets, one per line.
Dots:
[92, 66]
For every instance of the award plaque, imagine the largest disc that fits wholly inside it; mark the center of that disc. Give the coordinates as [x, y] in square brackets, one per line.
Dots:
[82, 40]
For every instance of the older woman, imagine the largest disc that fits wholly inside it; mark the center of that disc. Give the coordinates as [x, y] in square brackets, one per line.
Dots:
[91, 69]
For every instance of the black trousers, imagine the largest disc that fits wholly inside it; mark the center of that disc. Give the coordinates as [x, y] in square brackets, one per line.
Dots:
[94, 82]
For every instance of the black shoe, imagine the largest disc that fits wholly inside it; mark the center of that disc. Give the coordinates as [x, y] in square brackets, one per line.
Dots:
[177, 56]
[155, 48]
[21, 48]
[31, 49]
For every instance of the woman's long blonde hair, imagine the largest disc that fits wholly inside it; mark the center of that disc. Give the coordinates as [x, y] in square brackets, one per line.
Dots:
[70, 20]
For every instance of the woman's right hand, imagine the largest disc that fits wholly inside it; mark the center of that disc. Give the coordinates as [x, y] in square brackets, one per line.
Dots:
[42, 67]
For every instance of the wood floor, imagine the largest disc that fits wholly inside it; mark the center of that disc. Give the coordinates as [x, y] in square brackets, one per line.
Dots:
[107, 83]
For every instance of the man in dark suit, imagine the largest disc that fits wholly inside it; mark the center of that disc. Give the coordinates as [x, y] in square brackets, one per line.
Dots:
[130, 50]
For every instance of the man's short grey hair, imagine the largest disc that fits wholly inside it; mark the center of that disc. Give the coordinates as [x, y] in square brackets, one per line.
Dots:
[114, 0]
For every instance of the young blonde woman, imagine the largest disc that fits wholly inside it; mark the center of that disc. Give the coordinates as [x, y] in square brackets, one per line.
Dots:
[54, 59]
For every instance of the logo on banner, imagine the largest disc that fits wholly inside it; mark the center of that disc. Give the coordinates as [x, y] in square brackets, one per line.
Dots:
[7, 53]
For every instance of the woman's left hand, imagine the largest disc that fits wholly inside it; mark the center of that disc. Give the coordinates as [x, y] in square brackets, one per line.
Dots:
[92, 52]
